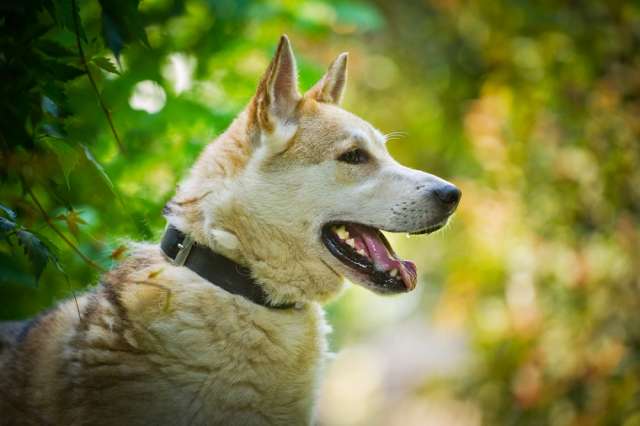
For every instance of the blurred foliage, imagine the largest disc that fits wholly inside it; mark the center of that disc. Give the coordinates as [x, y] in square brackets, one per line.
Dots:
[530, 107]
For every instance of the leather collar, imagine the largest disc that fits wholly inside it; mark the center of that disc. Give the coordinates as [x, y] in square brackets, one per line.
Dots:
[215, 268]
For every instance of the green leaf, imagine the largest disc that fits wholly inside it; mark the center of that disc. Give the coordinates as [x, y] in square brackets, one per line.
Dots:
[54, 130]
[55, 91]
[62, 71]
[50, 107]
[95, 72]
[53, 49]
[57, 103]
[52, 251]
[67, 155]
[112, 35]
[6, 226]
[98, 167]
[12, 273]
[142, 225]
[12, 215]
[121, 24]
[59, 192]
[35, 250]
[103, 174]
[67, 16]
[105, 64]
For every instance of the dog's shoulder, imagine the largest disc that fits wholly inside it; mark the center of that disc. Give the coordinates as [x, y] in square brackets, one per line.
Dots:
[151, 328]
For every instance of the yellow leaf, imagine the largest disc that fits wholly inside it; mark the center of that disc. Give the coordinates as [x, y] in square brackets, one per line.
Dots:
[118, 252]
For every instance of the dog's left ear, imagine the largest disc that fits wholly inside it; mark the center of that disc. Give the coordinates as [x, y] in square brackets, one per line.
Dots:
[331, 86]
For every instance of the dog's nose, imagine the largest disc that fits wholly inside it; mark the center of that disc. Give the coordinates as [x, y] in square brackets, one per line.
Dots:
[448, 194]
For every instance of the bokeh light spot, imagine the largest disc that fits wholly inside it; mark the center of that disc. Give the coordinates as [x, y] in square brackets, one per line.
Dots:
[148, 96]
[382, 72]
[179, 71]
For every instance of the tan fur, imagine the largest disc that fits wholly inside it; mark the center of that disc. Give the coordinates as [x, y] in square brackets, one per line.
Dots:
[170, 349]
[157, 344]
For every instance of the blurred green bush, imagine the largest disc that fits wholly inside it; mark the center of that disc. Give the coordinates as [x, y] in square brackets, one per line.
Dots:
[530, 107]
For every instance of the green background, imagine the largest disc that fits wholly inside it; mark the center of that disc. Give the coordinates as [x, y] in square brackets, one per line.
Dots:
[528, 307]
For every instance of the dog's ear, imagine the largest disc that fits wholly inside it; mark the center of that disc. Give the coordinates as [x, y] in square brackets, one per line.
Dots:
[278, 96]
[331, 86]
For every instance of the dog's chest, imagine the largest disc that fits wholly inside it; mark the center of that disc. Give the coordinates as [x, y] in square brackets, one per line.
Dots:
[253, 367]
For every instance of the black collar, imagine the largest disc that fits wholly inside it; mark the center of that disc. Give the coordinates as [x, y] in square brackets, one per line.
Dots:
[215, 268]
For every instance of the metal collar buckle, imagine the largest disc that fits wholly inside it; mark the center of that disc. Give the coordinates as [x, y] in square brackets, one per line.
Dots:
[184, 250]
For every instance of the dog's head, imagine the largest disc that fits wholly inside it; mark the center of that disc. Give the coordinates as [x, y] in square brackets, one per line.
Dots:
[299, 189]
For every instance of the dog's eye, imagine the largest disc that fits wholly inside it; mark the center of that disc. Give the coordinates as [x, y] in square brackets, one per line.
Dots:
[355, 156]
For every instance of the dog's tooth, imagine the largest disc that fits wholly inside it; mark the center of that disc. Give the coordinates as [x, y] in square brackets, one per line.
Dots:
[394, 272]
[342, 232]
[361, 252]
[351, 242]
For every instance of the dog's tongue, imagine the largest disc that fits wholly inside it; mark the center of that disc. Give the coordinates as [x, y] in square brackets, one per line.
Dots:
[384, 260]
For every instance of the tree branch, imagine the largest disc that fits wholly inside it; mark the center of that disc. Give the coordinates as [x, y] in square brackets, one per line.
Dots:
[55, 229]
[83, 59]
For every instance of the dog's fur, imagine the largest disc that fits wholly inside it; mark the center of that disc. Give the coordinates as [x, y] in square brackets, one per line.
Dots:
[157, 344]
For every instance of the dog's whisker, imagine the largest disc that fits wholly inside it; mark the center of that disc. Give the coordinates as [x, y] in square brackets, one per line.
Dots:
[394, 135]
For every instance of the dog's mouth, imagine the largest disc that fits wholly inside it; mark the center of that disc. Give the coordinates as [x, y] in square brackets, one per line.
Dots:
[366, 251]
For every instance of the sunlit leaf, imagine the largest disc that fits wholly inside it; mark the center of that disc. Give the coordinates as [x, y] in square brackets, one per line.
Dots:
[74, 219]
[106, 64]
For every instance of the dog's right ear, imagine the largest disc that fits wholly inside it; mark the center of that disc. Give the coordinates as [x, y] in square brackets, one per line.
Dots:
[331, 86]
[277, 97]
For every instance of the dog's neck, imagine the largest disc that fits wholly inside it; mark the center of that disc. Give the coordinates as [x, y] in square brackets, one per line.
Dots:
[215, 268]
[285, 278]
[205, 209]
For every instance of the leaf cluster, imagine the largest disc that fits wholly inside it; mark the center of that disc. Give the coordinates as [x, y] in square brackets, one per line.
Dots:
[43, 49]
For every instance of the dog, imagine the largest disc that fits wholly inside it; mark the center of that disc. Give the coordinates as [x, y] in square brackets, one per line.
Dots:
[221, 324]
